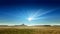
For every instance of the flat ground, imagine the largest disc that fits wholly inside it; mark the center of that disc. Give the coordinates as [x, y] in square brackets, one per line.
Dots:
[29, 30]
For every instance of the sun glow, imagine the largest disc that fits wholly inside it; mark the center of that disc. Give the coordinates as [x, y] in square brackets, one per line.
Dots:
[30, 19]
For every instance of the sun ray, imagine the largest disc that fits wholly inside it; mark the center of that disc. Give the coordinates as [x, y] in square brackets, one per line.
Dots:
[45, 12]
[36, 15]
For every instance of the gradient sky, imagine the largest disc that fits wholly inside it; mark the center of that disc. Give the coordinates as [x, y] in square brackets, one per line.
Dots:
[18, 12]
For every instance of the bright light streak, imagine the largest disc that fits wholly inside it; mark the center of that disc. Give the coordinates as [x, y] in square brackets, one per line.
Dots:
[36, 15]
[45, 12]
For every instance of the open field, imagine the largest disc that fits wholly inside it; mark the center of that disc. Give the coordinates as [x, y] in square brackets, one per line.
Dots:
[29, 30]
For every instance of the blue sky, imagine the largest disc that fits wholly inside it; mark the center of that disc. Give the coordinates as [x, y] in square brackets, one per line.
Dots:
[19, 12]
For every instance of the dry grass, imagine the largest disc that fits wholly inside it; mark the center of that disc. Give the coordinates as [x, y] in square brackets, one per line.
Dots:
[30, 30]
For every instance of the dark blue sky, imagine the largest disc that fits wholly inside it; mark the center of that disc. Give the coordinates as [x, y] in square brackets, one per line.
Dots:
[18, 11]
